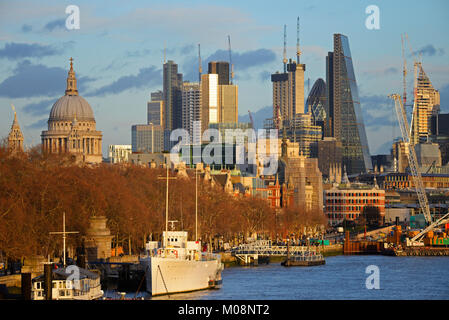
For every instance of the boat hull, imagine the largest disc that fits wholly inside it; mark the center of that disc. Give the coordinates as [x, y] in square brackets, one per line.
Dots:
[168, 276]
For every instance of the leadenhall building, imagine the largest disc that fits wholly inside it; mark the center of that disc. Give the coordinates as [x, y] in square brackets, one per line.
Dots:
[72, 127]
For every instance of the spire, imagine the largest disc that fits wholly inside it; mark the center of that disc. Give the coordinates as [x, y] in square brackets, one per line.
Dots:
[71, 81]
[15, 137]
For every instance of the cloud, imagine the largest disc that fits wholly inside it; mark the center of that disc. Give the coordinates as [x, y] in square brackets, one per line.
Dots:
[14, 51]
[430, 51]
[378, 111]
[55, 24]
[241, 61]
[265, 75]
[33, 80]
[40, 124]
[138, 53]
[444, 98]
[144, 79]
[39, 108]
[391, 70]
[259, 116]
[27, 28]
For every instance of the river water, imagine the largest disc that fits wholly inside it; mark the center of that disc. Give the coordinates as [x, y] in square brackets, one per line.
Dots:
[342, 277]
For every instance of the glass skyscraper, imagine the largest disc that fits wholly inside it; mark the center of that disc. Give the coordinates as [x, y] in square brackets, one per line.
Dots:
[345, 121]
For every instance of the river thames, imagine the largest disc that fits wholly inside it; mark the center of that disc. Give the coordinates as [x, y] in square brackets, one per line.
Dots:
[341, 278]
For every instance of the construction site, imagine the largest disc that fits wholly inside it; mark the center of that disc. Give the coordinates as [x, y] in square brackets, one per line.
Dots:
[404, 240]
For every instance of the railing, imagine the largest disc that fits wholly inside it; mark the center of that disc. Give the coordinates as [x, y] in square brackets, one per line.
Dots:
[273, 250]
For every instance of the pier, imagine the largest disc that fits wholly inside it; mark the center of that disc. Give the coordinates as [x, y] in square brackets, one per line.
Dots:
[252, 252]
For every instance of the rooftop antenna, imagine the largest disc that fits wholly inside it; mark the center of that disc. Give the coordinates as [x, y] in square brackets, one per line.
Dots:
[285, 48]
[200, 67]
[165, 52]
[298, 52]
[230, 59]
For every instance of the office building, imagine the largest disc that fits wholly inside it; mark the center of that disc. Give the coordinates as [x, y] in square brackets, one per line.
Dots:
[288, 91]
[209, 100]
[427, 103]
[228, 103]
[316, 103]
[329, 154]
[147, 138]
[345, 122]
[222, 69]
[172, 85]
[346, 202]
[155, 109]
[119, 153]
[191, 110]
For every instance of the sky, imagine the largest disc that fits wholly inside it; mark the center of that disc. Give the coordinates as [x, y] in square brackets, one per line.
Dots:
[118, 53]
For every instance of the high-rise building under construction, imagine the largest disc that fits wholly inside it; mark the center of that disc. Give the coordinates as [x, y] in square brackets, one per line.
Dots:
[427, 103]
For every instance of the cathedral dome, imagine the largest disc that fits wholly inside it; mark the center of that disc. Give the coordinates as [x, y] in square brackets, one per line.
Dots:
[71, 106]
[68, 107]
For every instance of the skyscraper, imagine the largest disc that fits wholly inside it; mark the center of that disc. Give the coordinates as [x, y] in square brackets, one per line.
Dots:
[228, 103]
[427, 103]
[209, 100]
[316, 103]
[155, 109]
[172, 84]
[345, 122]
[147, 138]
[288, 91]
[222, 69]
[191, 110]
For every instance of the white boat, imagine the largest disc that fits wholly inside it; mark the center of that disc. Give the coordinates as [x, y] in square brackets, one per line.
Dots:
[86, 287]
[179, 265]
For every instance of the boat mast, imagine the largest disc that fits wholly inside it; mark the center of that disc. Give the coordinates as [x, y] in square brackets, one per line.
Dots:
[64, 236]
[166, 201]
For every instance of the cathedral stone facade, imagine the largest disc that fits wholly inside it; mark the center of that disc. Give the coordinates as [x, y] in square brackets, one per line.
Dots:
[72, 126]
[15, 137]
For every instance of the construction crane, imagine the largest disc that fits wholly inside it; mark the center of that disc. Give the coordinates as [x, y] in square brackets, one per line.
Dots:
[231, 66]
[416, 175]
[200, 67]
[404, 73]
[251, 119]
[298, 52]
[285, 48]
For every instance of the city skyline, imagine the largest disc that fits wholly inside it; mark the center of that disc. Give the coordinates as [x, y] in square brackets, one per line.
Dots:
[119, 64]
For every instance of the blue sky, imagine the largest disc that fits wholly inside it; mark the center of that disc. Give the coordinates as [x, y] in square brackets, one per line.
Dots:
[118, 54]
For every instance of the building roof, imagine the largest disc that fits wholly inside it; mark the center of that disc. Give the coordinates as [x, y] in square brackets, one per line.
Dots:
[67, 108]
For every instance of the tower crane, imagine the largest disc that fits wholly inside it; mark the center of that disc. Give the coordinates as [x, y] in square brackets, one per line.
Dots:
[231, 66]
[251, 119]
[285, 48]
[200, 67]
[416, 175]
[404, 72]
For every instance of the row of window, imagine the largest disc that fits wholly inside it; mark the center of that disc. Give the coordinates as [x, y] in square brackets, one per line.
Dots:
[354, 201]
[354, 194]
